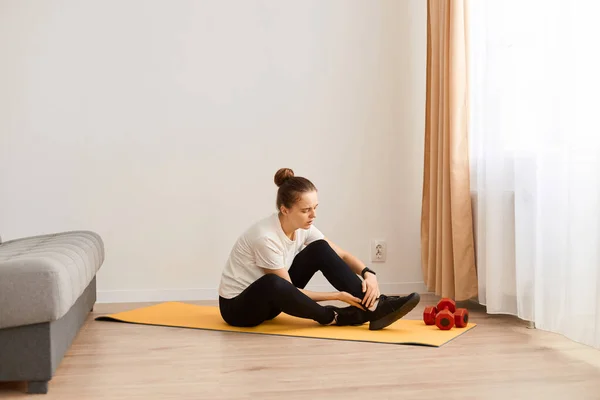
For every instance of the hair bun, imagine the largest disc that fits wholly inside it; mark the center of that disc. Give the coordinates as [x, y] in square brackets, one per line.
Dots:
[282, 175]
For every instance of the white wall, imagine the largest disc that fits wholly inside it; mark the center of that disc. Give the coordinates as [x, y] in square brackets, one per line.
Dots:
[160, 125]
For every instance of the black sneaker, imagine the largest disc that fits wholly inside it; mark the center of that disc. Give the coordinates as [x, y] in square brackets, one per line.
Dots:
[349, 316]
[390, 309]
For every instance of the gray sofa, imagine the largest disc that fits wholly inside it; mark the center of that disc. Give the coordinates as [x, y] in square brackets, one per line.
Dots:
[47, 290]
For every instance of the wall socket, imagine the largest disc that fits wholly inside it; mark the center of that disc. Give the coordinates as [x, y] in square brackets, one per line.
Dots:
[378, 250]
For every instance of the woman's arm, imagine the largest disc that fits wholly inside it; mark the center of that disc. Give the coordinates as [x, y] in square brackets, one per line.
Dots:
[317, 296]
[370, 285]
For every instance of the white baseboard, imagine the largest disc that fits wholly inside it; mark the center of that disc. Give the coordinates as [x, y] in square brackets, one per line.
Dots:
[144, 296]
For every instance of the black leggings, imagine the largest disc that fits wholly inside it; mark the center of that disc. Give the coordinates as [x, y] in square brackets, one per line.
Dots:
[271, 295]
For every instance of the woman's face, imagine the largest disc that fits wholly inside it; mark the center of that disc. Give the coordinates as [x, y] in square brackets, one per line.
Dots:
[303, 213]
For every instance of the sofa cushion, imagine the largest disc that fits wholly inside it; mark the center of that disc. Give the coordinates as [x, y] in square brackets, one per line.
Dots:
[41, 277]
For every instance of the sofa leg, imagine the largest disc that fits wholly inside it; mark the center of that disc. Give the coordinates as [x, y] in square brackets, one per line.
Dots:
[37, 387]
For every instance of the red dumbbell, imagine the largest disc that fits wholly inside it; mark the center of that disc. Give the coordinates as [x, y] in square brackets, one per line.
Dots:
[445, 315]
[461, 317]
[429, 315]
[444, 320]
[446, 304]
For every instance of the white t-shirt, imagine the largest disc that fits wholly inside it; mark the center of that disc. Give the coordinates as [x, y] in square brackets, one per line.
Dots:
[263, 245]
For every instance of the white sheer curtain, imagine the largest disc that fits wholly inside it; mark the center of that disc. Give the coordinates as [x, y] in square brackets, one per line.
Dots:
[535, 150]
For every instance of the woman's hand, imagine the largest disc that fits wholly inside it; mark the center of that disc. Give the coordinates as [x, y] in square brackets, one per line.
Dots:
[370, 288]
[348, 298]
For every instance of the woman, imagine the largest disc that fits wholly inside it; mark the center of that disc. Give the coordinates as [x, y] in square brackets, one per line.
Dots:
[272, 262]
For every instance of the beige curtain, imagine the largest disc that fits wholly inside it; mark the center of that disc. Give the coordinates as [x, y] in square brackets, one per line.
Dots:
[447, 245]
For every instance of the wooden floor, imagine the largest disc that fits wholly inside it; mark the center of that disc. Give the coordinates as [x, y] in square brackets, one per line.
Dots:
[500, 359]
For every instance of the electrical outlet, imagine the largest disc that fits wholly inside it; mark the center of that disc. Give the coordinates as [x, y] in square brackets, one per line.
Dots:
[378, 250]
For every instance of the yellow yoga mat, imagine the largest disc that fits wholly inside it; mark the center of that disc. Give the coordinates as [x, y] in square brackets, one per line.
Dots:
[183, 315]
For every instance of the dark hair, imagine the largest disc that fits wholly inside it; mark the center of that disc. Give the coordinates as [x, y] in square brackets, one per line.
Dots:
[291, 187]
